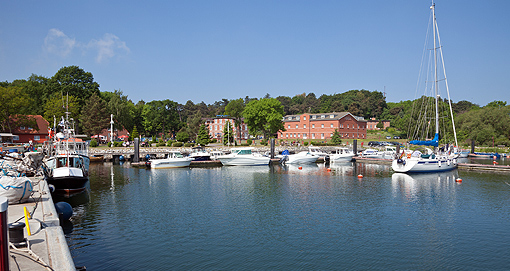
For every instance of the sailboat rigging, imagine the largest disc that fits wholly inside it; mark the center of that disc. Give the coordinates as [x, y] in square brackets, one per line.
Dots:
[439, 159]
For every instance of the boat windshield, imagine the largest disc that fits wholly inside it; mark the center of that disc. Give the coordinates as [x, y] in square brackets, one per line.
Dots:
[242, 151]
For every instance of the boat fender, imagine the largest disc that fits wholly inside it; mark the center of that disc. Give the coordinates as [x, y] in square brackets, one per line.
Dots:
[408, 155]
[439, 163]
[65, 209]
[448, 162]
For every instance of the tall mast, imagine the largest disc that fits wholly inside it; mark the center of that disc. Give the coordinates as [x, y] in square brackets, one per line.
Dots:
[435, 65]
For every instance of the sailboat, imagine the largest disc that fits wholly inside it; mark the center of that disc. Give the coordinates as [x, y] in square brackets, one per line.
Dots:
[439, 158]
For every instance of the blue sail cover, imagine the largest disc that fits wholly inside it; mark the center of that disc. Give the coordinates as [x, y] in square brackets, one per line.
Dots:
[434, 142]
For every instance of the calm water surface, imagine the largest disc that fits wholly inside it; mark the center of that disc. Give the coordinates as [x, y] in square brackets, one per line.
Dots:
[286, 218]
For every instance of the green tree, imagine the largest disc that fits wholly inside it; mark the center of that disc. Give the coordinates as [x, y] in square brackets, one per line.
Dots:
[134, 134]
[12, 101]
[119, 105]
[74, 81]
[336, 138]
[264, 117]
[235, 110]
[94, 116]
[57, 105]
[182, 136]
[228, 133]
[203, 135]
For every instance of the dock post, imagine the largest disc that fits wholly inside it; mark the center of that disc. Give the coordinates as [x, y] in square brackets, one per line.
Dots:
[355, 147]
[472, 146]
[136, 159]
[4, 242]
[272, 148]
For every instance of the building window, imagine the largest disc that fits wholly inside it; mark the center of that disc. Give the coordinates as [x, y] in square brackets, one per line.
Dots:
[304, 117]
[37, 138]
[331, 135]
[304, 136]
[15, 138]
[313, 117]
[298, 135]
[347, 126]
[331, 125]
[22, 128]
[322, 136]
[215, 121]
[323, 116]
[304, 126]
[288, 127]
[331, 116]
[290, 118]
[313, 125]
[287, 135]
[297, 126]
[297, 118]
[322, 125]
[313, 136]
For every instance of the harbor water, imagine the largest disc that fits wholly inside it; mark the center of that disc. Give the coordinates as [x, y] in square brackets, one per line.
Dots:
[290, 218]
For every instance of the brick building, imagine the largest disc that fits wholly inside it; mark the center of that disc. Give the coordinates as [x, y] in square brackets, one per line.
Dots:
[37, 135]
[372, 124]
[322, 126]
[216, 125]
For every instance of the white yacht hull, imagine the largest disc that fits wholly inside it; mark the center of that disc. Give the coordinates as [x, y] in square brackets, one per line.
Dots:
[171, 162]
[341, 157]
[244, 160]
[301, 159]
[424, 165]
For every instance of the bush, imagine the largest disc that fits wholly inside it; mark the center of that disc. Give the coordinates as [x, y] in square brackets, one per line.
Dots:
[214, 140]
[177, 144]
[93, 143]
[249, 141]
[160, 144]
[189, 144]
[117, 144]
[263, 142]
[245, 144]
[109, 144]
[306, 143]
[169, 143]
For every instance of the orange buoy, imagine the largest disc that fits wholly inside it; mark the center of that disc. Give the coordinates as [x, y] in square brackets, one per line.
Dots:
[328, 169]
[360, 176]
[459, 180]
[300, 167]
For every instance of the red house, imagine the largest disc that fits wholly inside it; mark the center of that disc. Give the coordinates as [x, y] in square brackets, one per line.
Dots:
[37, 134]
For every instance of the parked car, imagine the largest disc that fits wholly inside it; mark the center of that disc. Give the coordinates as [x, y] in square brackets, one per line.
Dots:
[396, 137]
[374, 143]
[388, 137]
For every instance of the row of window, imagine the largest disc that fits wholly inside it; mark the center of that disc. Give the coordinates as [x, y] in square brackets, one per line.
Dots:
[36, 138]
[322, 126]
[305, 135]
[312, 117]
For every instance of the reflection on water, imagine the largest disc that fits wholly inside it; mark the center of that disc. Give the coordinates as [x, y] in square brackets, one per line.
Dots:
[283, 217]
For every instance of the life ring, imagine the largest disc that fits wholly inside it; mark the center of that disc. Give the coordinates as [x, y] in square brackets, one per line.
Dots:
[408, 155]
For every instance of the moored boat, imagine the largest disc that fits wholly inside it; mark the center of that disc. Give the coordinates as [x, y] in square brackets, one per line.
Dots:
[303, 157]
[341, 154]
[174, 159]
[243, 157]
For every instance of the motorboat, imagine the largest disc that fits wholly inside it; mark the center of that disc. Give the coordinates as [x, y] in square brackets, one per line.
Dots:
[303, 157]
[243, 157]
[173, 159]
[341, 154]
[199, 154]
[67, 164]
[372, 153]
[317, 151]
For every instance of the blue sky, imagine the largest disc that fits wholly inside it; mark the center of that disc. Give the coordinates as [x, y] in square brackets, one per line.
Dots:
[210, 50]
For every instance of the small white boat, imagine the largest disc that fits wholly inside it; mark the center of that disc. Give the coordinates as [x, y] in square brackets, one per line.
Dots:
[341, 154]
[173, 159]
[243, 157]
[372, 153]
[317, 151]
[303, 157]
[199, 154]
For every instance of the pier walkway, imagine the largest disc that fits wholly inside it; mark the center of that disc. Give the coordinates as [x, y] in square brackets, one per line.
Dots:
[47, 243]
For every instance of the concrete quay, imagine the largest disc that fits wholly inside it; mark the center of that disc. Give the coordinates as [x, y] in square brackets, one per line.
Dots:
[47, 243]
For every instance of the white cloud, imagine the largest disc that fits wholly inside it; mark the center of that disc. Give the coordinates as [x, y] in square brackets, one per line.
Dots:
[108, 47]
[59, 44]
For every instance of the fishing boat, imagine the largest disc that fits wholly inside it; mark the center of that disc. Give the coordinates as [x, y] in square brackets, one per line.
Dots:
[317, 151]
[199, 154]
[440, 158]
[67, 163]
[243, 157]
[341, 154]
[173, 159]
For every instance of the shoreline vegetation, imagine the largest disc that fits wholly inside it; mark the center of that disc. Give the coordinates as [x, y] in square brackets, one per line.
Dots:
[73, 89]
